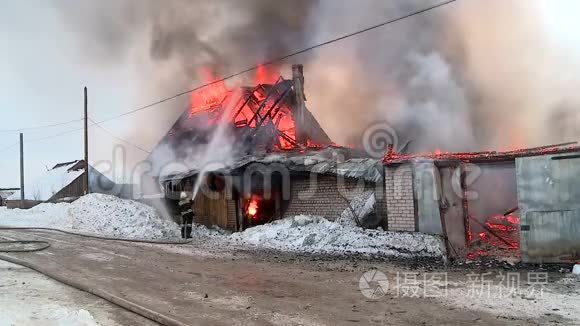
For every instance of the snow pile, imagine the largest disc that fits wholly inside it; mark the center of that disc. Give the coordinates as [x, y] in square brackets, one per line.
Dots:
[43, 215]
[202, 231]
[98, 214]
[318, 235]
[363, 205]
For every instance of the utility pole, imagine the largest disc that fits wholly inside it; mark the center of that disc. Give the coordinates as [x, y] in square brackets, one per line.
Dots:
[22, 198]
[87, 188]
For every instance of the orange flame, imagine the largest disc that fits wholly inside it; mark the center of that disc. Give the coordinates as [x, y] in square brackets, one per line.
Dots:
[266, 74]
[217, 95]
[209, 96]
[253, 207]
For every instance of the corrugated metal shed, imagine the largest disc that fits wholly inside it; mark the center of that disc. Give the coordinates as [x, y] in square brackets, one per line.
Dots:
[549, 200]
[323, 161]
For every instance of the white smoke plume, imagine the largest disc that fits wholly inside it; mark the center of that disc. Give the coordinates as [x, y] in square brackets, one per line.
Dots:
[166, 43]
[522, 70]
[472, 75]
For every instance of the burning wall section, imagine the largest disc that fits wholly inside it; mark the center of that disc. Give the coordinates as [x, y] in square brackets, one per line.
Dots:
[474, 199]
[434, 197]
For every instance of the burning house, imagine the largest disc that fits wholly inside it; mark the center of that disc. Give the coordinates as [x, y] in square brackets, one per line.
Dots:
[279, 163]
[522, 203]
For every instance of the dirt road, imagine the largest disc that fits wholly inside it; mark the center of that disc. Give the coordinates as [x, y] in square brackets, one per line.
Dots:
[201, 286]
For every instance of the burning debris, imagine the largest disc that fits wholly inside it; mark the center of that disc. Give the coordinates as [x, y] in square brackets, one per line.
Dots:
[498, 236]
[258, 210]
[265, 105]
[270, 116]
[252, 209]
[460, 195]
[486, 156]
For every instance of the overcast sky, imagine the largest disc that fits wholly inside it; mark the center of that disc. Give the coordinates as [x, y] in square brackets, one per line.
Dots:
[42, 76]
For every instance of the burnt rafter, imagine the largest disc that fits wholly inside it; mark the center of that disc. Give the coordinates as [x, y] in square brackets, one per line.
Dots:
[249, 98]
[270, 93]
[260, 118]
[275, 106]
[274, 103]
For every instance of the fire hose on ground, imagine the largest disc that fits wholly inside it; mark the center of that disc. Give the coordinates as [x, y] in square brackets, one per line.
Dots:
[112, 298]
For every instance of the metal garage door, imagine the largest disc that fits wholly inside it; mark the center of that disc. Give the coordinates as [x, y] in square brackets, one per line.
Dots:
[549, 201]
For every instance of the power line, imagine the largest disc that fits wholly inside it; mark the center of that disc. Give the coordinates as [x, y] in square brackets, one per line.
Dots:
[40, 127]
[272, 61]
[34, 140]
[8, 147]
[54, 136]
[267, 63]
[58, 134]
[119, 138]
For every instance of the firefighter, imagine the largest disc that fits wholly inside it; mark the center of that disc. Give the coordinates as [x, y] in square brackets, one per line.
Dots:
[186, 209]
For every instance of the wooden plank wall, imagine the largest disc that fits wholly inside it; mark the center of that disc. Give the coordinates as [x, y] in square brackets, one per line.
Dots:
[213, 210]
[74, 189]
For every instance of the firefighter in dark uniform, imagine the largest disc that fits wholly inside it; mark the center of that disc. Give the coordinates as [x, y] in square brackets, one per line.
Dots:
[186, 209]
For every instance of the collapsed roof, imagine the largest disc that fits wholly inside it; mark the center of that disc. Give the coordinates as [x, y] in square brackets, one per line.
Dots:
[337, 161]
[260, 120]
[254, 112]
[487, 156]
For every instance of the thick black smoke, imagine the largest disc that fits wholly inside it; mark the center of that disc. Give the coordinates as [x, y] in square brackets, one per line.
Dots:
[225, 35]
[166, 43]
[461, 77]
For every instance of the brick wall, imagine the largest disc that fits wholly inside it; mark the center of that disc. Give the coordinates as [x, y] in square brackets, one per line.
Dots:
[400, 204]
[321, 197]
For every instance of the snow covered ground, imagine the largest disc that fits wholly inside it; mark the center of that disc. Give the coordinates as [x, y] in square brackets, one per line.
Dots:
[111, 216]
[559, 298]
[28, 298]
